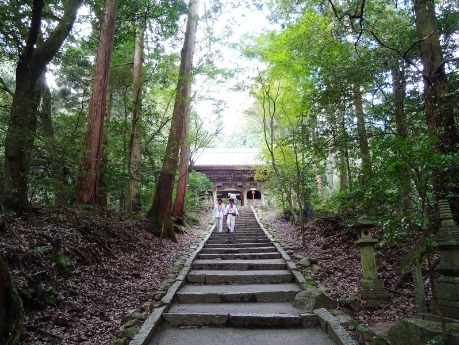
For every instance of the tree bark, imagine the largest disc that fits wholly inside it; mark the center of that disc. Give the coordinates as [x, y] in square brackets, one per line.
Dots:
[362, 134]
[92, 151]
[135, 142]
[179, 205]
[330, 173]
[399, 90]
[53, 153]
[159, 215]
[22, 124]
[438, 104]
[11, 309]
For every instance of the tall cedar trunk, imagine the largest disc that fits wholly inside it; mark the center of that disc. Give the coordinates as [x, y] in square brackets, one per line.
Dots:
[399, 90]
[102, 187]
[437, 101]
[11, 309]
[344, 173]
[92, 152]
[159, 215]
[179, 205]
[318, 172]
[22, 124]
[362, 134]
[135, 141]
[330, 172]
[53, 153]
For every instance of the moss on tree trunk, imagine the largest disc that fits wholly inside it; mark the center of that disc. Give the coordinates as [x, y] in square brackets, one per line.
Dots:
[11, 309]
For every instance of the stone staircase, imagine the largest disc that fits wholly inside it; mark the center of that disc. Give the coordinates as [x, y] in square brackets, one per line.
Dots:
[239, 282]
[239, 279]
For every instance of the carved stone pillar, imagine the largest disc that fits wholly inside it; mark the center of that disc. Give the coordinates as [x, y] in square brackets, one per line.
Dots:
[447, 285]
[371, 288]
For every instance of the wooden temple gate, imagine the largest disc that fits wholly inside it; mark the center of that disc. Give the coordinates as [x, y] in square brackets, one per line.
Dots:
[232, 172]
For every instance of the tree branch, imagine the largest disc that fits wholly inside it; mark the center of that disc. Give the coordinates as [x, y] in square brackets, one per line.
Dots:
[4, 87]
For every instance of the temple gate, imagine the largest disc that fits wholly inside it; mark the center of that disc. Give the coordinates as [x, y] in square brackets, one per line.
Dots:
[231, 171]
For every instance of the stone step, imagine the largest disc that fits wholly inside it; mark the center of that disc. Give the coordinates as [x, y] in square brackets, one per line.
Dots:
[242, 231]
[233, 250]
[213, 277]
[236, 245]
[239, 265]
[240, 336]
[246, 315]
[238, 293]
[235, 235]
[243, 256]
[237, 241]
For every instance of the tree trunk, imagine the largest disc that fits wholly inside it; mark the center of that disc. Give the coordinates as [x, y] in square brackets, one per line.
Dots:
[438, 103]
[345, 181]
[22, 124]
[102, 187]
[92, 152]
[330, 172]
[135, 142]
[53, 153]
[362, 134]
[159, 215]
[399, 90]
[179, 205]
[11, 309]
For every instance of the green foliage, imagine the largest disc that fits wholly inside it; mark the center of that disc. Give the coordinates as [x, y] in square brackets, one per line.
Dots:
[437, 340]
[62, 259]
[197, 196]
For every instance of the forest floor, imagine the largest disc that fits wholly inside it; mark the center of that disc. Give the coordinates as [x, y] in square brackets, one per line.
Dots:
[331, 246]
[78, 272]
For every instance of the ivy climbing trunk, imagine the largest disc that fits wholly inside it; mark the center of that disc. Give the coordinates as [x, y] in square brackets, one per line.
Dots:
[22, 124]
[159, 215]
[92, 152]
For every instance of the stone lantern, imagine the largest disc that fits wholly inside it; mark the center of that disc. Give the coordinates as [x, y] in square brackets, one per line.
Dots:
[447, 286]
[371, 288]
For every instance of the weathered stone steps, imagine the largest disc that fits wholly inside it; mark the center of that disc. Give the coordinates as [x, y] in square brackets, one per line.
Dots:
[247, 315]
[238, 245]
[242, 256]
[237, 293]
[239, 277]
[258, 264]
[217, 250]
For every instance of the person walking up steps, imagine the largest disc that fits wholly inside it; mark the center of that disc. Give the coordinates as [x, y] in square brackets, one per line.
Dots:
[231, 214]
[219, 213]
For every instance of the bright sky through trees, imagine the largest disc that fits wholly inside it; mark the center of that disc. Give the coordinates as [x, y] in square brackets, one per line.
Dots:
[233, 25]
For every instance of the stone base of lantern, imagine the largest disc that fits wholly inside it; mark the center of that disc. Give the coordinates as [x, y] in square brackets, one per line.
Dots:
[373, 289]
[448, 296]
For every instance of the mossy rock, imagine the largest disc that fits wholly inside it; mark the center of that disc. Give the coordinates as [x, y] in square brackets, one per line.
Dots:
[133, 322]
[130, 332]
[148, 307]
[120, 341]
[312, 298]
[421, 332]
[132, 316]
[380, 339]
[365, 333]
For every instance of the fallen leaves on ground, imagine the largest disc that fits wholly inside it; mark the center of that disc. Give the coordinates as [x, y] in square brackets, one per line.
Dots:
[333, 246]
[78, 272]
